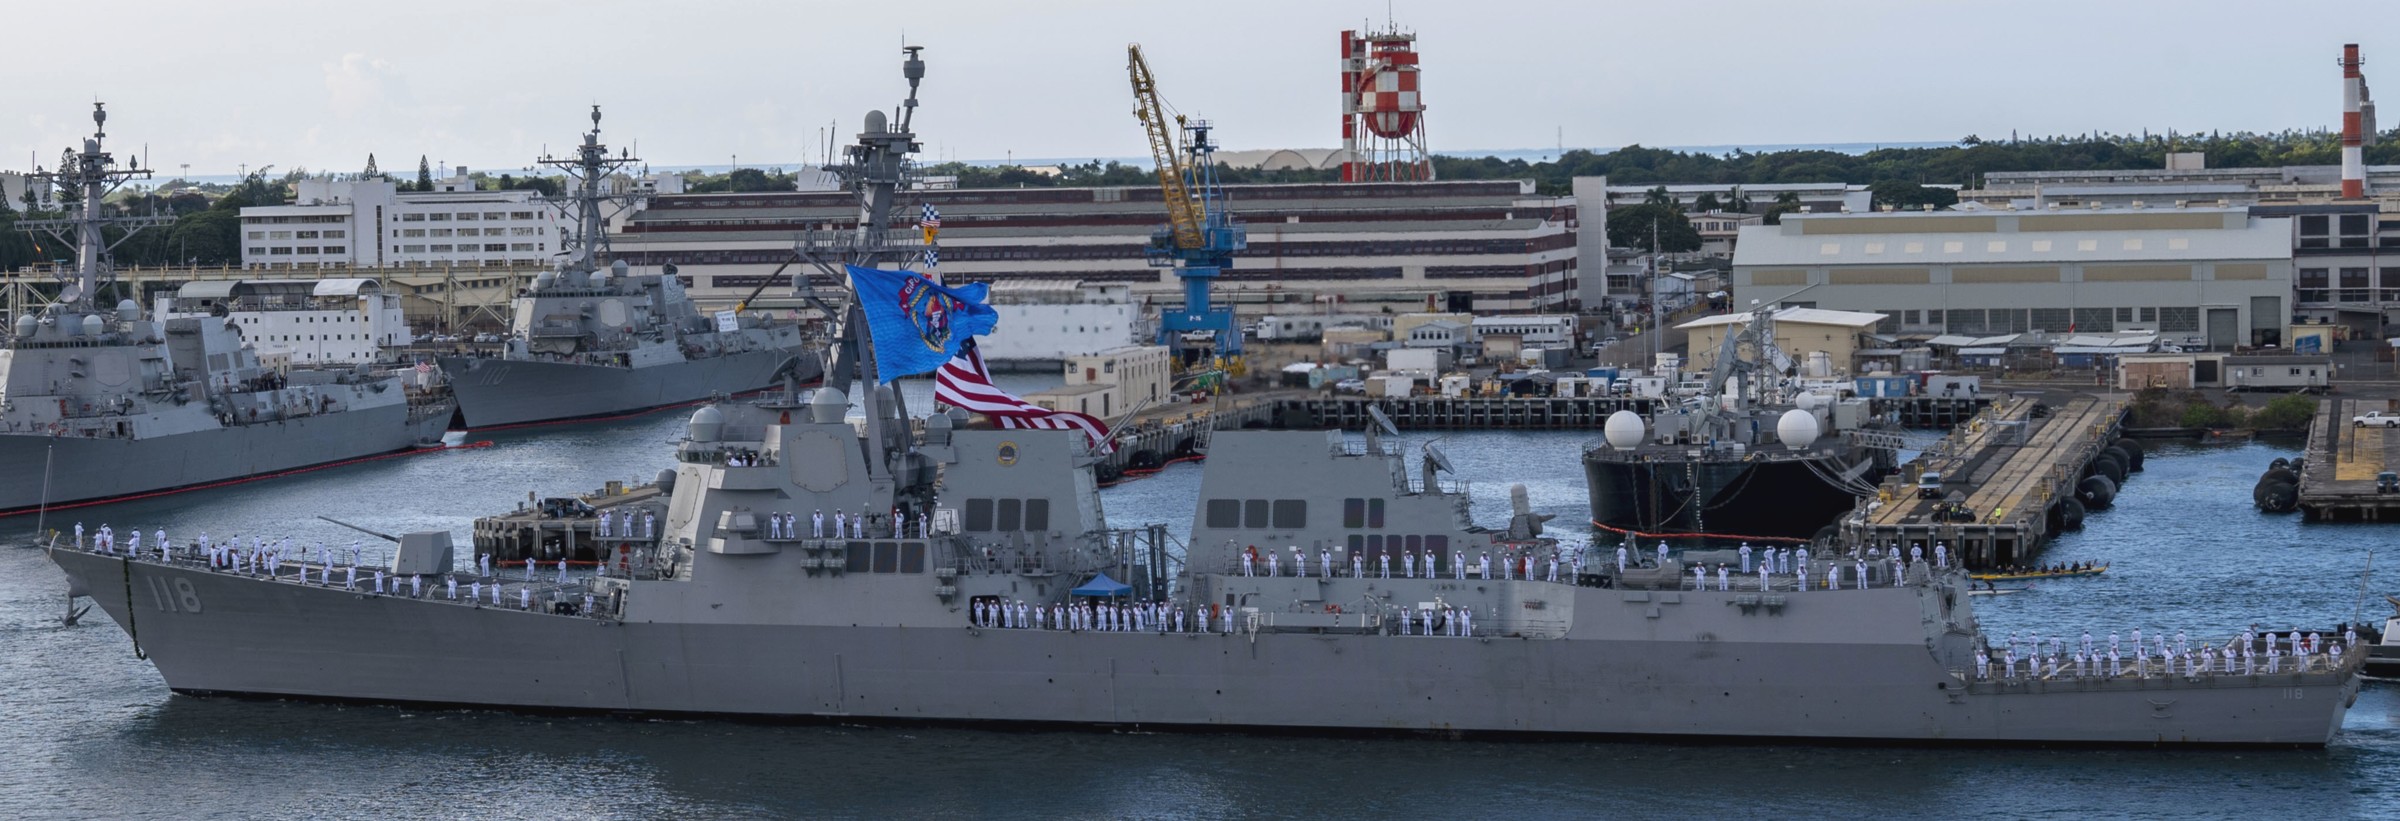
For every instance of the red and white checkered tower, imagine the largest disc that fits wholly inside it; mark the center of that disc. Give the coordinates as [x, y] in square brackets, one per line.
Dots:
[1383, 119]
[2358, 125]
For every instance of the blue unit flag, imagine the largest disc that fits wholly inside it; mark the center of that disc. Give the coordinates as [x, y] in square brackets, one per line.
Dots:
[918, 324]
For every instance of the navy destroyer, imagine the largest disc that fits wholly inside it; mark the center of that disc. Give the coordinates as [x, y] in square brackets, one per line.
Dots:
[1330, 584]
[1754, 453]
[594, 339]
[102, 403]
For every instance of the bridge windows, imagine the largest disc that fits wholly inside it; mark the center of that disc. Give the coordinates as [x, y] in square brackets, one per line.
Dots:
[1358, 513]
[1007, 515]
[1257, 514]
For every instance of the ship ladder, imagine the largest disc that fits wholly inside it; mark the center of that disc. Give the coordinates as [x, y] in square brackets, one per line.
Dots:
[125, 567]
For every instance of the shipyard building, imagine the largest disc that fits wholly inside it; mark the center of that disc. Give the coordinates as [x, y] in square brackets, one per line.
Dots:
[2217, 278]
[344, 224]
[1489, 247]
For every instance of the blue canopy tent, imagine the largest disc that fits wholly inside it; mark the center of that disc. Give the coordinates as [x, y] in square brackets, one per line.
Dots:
[1101, 586]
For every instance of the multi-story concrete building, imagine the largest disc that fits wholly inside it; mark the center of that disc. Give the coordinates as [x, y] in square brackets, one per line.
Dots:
[2345, 253]
[337, 224]
[13, 186]
[2215, 277]
[307, 321]
[1482, 246]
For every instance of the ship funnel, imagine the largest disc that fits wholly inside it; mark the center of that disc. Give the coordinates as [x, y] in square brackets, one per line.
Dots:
[828, 406]
[129, 310]
[1798, 429]
[1624, 430]
[707, 424]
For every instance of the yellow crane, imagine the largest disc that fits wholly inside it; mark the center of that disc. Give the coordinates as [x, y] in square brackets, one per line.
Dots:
[1183, 215]
[1200, 237]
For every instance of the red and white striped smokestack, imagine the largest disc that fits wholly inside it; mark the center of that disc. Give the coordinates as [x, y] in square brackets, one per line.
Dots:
[2354, 162]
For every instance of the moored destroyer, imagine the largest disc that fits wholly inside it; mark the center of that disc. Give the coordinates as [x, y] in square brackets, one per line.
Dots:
[99, 403]
[595, 338]
[972, 579]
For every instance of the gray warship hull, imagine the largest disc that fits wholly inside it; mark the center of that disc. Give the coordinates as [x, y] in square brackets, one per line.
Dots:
[94, 469]
[501, 392]
[1833, 665]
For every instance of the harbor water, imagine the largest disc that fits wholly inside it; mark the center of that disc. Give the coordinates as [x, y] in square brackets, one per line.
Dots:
[89, 731]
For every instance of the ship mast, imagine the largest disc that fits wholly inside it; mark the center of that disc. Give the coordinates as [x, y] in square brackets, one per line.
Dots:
[92, 175]
[590, 164]
[877, 168]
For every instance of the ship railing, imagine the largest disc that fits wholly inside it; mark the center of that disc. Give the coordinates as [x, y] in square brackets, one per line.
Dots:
[545, 591]
[2329, 658]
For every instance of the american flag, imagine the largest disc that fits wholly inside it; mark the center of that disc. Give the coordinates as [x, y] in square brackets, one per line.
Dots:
[965, 383]
[424, 366]
[931, 219]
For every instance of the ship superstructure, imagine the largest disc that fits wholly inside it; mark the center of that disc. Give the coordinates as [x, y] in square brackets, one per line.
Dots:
[593, 338]
[102, 402]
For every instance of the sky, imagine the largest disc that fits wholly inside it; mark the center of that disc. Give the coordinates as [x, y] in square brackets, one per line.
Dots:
[488, 85]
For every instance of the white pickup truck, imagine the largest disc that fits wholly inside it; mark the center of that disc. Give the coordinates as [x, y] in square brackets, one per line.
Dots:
[2376, 419]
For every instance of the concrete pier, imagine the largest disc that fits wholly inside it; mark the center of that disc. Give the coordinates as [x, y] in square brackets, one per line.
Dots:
[2006, 474]
[2337, 477]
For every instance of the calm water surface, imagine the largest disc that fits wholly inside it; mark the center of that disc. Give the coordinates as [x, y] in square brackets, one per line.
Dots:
[88, 731]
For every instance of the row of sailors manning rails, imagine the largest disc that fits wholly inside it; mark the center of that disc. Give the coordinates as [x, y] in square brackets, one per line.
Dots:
[2249, 654]
[318, 564]
[1529, 565]
[1164, 618]
[644, 525]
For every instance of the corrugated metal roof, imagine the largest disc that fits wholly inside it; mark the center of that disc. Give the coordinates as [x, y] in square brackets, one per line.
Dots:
[2260, 238]
[207, 289]
[1804, 316]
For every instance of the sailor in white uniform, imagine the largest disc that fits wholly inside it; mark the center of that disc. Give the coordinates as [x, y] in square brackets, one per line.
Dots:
[1662, 552]
[1699, 577]
[78, 535]
[1408, 564]
[1384, 560]
[841, 523]
[816, 524]
[1621, 560]
[1324, 565]
[607, 517]
[1745, 558]
[1724, 578]
[452, 585]
[1271, 563]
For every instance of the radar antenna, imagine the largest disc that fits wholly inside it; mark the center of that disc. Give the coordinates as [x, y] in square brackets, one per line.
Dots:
[91, 174]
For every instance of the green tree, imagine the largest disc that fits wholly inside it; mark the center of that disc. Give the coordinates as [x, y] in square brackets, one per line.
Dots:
[424, 174]
[1909, 196]
[1706, 202]
[372, 173]
[2285, 413]
[1631, 227]
[1775, 212]
[1658, 196]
